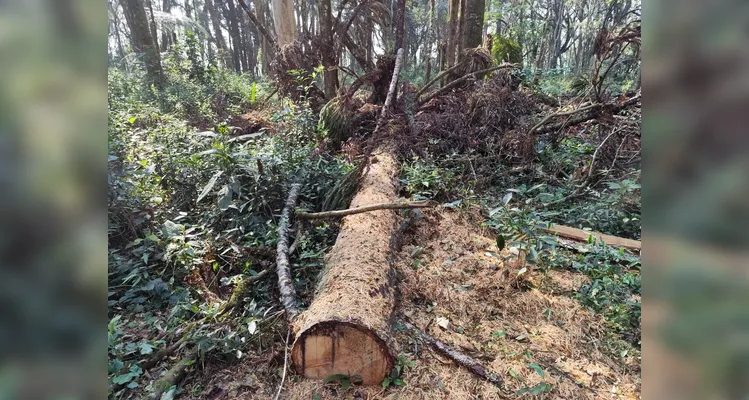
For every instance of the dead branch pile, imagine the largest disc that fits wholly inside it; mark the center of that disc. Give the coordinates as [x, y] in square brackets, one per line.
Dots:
[491, 118]
[472, 60]
[293, 68]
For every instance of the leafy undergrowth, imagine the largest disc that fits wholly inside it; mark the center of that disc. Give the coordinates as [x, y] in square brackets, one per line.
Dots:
[193, 209]
[517, 201]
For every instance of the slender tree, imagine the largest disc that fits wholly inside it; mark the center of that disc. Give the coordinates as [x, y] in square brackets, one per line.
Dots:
[453, 35]
[284, 20]
[218, 33]
[236, 39]
[141, 38]
[330, 76]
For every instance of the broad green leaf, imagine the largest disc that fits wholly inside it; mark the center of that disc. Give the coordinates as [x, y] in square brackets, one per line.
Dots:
[169, 394]
[146, 348]
[537, 368]
[345, 384]
[501, 333]
[537, 389]
[500, 242]
[507, 198]
[122, 379]
[209, 186]
[224, 198]
[171, 229]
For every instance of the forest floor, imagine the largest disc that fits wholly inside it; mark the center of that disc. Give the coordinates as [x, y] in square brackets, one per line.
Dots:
[457, 286]
[192, 227]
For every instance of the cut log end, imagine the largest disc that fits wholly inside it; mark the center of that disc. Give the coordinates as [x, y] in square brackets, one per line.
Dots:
[334, 347]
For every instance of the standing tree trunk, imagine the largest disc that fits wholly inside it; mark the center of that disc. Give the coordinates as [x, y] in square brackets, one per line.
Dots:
[166, 40]
[205, 21]
[142, 40]
[452, 38]
[400, 24]
[236, 40]
[266, 47]
[154, 30]
[218, 34]
[428, 43]
[283, 18]
[250, 37]
[474, 23]
[330, 76]
[304, 11]
[116, 27]
[461, 31]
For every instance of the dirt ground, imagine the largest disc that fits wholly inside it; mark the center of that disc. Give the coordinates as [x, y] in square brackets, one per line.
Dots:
[455, 285]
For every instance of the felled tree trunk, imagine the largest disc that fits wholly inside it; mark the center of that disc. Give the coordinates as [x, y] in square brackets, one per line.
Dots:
[346, 329]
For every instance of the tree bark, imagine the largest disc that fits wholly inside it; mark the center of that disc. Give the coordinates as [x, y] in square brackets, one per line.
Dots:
[118, 38]
[401, 205]
[400, 27]
[429, 40]
[452, 38]
[172, 376]
[285, 282]
[461, 31]
[166, 6]
[218, 34]
[141, 38]
[474, 23]
[236, 40]
[330, 75]
[346, 329]
[283, 19]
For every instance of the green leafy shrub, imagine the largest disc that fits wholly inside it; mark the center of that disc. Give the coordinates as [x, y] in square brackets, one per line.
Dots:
[505, 49]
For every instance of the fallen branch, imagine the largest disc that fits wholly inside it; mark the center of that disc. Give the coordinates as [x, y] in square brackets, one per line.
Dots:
[391, 91]
[581, 235]
[240, 290]
[285, 284]
[163, 353]
[563, 114]
[461, 359]
[374, 207]
[460, 80]
[172, 376]
[437, 78]
[273, 93]
[285, 364]
[587, 113]
[393, 83]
